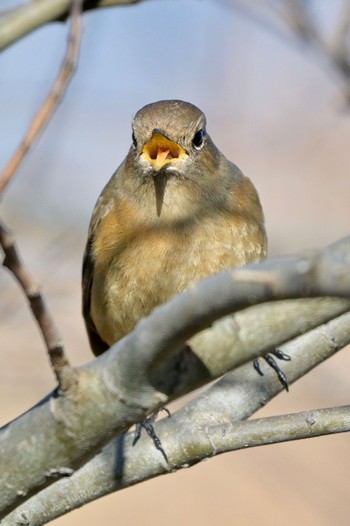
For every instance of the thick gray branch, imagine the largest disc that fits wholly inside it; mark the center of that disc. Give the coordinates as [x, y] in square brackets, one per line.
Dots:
[209, 425]
[123, 385]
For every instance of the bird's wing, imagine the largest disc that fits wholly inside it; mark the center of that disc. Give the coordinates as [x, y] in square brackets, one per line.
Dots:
[103, 206]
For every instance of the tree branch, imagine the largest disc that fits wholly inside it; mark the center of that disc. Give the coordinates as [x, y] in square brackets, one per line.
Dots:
[22, 20]
[56, 93]
[128, 382]
[39, 308]
[208, 425]
[298, 18]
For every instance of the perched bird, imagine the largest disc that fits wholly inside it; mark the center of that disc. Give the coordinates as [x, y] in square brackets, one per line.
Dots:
[176, 210]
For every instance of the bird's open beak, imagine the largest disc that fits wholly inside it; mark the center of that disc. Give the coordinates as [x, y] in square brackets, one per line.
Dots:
[160, 150]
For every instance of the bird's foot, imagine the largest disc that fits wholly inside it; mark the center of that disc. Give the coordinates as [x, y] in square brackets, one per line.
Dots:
[147, 425]
[269, 359]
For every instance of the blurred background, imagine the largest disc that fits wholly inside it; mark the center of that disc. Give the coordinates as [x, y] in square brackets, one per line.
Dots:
[277, 104]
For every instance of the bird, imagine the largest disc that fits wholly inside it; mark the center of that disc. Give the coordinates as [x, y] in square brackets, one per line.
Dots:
[174, 212]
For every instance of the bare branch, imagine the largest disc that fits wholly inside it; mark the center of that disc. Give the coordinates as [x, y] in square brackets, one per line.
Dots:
[207, 426]
[128, 381]
[57, 91]
[341, 47]
[140, 463]
[300, 20]
[38, 307]
[296, 16]
[24, 19]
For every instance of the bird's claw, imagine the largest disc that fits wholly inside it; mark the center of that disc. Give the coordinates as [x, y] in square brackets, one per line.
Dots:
[269, 359]
[147, 425]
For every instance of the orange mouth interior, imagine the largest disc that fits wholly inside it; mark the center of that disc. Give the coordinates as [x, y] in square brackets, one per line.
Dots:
[160, 151]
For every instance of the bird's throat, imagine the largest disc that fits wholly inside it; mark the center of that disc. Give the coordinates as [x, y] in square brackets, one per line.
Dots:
[159, 190]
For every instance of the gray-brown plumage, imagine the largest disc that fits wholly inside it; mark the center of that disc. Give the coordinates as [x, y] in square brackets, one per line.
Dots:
[176, 210]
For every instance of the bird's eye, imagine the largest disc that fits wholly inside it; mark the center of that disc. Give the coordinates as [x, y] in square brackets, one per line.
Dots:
[134, 141]
[198, 139]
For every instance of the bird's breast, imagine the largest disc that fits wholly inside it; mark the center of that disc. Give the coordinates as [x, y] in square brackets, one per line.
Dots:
[142, 265]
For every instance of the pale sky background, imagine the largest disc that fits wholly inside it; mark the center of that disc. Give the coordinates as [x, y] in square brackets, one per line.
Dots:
[272, 106]
[275, 109]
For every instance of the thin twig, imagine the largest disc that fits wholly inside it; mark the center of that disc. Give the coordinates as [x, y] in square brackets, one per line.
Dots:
[39, 308]
[301, 21]
[297, 16]
[57, 91]
[342, 37]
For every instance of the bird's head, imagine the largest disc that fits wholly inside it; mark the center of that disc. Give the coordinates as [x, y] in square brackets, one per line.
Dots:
[173, 159]
[170, 138]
